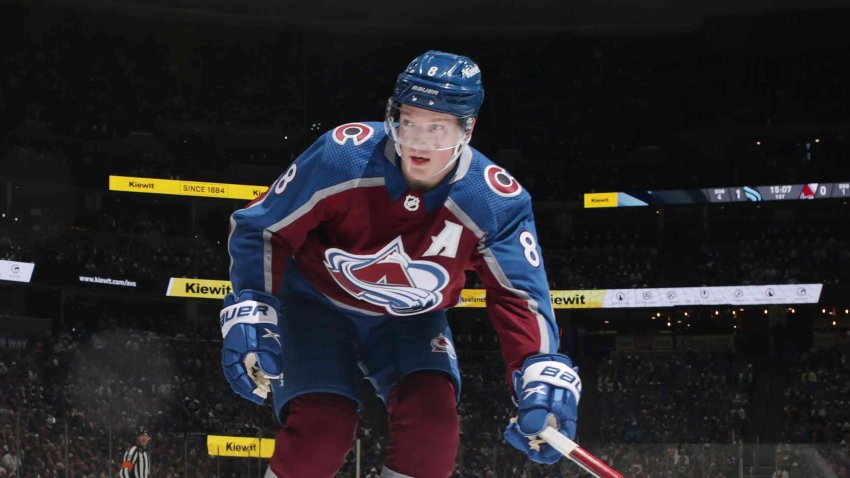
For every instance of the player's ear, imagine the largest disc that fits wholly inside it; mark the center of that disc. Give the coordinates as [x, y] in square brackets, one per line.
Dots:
[471, 125]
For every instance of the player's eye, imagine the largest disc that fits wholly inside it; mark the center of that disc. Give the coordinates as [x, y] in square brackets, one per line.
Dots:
[437, 128]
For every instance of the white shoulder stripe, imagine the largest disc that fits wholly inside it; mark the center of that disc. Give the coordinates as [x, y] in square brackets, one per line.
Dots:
[301, 211]
[500, 275]
[233, 228]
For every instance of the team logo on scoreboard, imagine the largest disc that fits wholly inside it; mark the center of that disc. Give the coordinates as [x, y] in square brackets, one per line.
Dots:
[389, 278]
[809, 191]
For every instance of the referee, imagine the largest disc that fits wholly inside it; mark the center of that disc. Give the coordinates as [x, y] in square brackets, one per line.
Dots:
[137, 460]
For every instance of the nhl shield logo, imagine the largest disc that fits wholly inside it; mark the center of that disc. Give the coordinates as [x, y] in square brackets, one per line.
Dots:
[389, 278]
[411, 203]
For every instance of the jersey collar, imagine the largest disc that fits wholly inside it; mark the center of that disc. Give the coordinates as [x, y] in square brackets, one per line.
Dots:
[435, 198]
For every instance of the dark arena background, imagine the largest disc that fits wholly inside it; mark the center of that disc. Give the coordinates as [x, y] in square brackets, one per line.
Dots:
[689, 164]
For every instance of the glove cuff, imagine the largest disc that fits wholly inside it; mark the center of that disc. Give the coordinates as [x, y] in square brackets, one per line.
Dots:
[547, 357]
[251, 294]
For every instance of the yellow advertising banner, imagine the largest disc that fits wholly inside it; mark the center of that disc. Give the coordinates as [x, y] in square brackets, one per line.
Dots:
[577, 299]
[179, 187]
[245, 447]
[561, 299]
[198, 288]
[592, 200]
[472, 298]
[475, 298]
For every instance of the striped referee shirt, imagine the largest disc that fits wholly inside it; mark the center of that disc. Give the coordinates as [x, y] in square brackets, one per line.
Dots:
[136, 464]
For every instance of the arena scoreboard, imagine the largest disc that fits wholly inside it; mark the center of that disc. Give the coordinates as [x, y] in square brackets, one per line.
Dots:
[777, 192]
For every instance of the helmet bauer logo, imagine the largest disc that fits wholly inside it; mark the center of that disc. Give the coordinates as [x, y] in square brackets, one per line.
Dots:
[389, 278]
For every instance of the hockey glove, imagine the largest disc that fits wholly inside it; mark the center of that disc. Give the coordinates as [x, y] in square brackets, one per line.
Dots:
[547, 390]
[251, 353]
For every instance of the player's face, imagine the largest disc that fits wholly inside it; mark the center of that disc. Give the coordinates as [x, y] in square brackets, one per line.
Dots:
[144, 440]
[428, 140]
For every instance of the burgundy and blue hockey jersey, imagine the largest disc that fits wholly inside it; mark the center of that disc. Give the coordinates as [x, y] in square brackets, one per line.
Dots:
[341, 225]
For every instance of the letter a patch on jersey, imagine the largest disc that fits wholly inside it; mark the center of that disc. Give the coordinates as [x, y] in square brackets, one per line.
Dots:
[445, 243]
[389, 278]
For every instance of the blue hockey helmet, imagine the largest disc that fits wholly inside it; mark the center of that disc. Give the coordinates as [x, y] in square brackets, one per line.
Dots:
[442, 82]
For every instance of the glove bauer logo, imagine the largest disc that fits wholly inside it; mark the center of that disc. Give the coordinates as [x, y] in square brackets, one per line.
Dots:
[389, 278]
[252, 310]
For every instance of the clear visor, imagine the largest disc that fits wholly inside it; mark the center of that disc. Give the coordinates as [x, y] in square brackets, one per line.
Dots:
[426, 130]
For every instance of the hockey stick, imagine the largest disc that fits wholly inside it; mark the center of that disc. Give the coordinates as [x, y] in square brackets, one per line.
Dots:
[577, 454]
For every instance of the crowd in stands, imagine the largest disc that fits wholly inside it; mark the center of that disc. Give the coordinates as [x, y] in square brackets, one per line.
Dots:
[94, 79]
[104, 383]
[817, 398]
[659, 414]
[643, 393]
[113, 367]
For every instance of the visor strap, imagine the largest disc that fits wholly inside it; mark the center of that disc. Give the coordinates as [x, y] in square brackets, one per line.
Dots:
[455, 156]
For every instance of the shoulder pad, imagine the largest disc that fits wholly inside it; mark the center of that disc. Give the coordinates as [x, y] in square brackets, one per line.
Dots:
[357, 133]
[489, 195]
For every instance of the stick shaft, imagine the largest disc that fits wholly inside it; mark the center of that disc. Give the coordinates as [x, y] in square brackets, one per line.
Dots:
[577, 454]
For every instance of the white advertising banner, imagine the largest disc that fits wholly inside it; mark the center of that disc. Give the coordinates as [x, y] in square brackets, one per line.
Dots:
[16, 271]
[723, 295]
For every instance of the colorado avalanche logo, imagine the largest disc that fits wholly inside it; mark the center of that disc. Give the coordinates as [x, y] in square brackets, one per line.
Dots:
[389, 278]
[442, 344]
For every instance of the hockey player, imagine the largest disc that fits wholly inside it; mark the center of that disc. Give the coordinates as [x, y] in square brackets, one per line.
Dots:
[351, 259]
